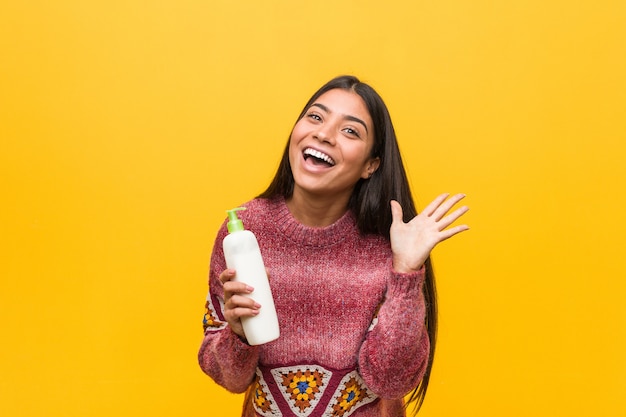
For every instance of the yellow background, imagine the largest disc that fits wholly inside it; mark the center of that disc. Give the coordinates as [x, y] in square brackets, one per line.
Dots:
[128, 127]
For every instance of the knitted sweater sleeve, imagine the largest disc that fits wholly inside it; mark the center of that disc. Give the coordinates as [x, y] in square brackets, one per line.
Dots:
[394, 355]
[223, 356]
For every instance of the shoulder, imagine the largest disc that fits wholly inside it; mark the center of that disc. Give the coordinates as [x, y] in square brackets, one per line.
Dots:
[259, 205]
[258, 208]
[259, 213]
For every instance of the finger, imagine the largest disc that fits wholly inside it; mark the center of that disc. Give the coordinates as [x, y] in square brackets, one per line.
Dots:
[232, 287]
[448, 233]
[241, 301]
[452, 217]
[396, 211]
[430, 209]
[239, 312]
[446, 206]
[227, 275]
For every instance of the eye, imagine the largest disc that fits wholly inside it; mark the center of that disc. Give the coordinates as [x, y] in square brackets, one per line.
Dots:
[352, 132]
[314, 116]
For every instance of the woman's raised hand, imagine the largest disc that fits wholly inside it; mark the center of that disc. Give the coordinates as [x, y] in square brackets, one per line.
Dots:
[412, 242]
[236, 303]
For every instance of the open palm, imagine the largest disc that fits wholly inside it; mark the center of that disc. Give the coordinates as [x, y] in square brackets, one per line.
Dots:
[412, 242]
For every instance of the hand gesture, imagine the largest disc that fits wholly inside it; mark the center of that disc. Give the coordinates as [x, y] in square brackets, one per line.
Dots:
[412, 242]
[236, 303]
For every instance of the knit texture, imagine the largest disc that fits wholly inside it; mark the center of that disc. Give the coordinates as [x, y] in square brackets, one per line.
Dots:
[341, 308]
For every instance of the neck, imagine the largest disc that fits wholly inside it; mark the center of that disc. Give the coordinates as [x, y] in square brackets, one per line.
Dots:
[316, 211]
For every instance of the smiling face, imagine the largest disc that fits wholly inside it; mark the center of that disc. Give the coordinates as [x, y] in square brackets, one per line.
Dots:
[330, 146]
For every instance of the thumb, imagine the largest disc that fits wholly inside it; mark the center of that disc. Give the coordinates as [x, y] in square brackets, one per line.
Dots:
[396, 212]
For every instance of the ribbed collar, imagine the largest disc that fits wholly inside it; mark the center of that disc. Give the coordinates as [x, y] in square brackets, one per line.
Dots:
[306, 235]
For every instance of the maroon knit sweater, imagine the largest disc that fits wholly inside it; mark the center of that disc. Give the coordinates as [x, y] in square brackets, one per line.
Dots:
[353, 340]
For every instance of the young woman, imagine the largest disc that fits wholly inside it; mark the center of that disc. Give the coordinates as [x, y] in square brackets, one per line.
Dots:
[349, 264]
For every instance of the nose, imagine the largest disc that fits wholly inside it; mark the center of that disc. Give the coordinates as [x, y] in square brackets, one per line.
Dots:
[323, 134]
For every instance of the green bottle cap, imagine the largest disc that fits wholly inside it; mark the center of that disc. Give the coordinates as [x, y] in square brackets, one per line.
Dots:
[234, 223]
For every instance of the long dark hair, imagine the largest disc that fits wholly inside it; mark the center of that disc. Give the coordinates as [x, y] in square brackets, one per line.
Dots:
[370, 198]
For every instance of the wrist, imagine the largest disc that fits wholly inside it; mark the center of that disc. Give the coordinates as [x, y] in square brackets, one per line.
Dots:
[406, 268]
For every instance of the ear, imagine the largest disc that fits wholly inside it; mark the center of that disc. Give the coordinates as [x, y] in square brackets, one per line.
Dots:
[370, 167]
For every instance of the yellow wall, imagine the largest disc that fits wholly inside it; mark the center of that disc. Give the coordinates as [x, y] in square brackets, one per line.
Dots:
[121, 121]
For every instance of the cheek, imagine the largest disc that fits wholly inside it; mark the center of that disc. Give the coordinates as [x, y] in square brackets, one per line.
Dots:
[293, 149]
[298, 132]
[359, 155]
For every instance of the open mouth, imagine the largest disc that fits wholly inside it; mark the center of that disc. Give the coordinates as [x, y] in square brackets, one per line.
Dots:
[318, 158]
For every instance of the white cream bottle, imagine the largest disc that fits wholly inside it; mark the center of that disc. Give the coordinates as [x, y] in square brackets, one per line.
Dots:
[242, 253]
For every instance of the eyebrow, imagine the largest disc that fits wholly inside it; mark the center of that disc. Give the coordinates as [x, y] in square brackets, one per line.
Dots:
[347, 116]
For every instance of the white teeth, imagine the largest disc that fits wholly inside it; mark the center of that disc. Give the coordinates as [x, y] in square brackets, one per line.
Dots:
[319, 155]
